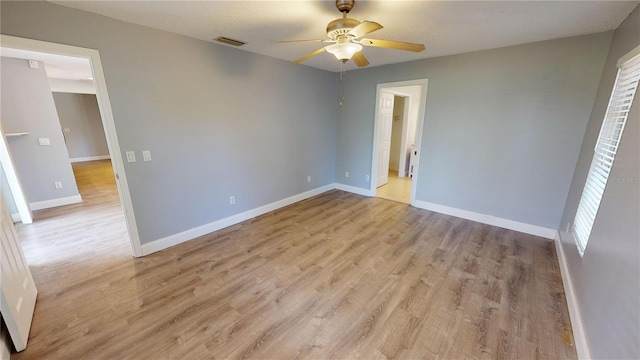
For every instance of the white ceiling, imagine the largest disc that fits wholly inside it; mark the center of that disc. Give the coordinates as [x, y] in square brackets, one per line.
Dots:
[444, 27]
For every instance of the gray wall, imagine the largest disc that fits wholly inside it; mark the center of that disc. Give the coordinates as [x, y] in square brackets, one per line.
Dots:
[80, 114]
[27, 106]
[218, 121]
[606, 278]
[503, 127]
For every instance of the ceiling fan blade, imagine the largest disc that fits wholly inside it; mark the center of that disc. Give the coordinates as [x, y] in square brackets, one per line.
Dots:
[310, 55]
[360, 59]
[390, 44]
[365, 28]
[301, 41]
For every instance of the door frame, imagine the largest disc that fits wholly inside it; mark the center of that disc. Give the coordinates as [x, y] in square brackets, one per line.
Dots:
[15, 187]
[108, 123]
[419, 128]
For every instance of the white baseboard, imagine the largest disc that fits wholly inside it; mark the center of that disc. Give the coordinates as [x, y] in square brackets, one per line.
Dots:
[353, 189]
[90, 158]
[15, 217]
[489, 219]
[39, 205]
[579, 335]
[175, 239]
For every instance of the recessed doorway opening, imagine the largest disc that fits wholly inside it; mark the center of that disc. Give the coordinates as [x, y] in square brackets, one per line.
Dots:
[397, 136]
[37, 53]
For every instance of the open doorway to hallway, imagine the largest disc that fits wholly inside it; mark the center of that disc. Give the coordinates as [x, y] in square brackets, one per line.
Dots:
[397, 136]
[61, 159]
[68, 214]
[87, 141]
[397, 184]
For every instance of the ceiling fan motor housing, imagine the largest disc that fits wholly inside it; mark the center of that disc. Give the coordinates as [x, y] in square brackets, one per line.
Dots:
[341, 27]
[344, 6]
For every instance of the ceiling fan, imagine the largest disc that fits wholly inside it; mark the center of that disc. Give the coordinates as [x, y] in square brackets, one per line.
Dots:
[346, 35]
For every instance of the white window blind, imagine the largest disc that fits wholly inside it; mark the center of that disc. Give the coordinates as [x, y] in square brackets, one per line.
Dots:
[615, 118]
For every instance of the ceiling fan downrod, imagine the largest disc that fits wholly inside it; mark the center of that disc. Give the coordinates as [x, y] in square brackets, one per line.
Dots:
[344, 6]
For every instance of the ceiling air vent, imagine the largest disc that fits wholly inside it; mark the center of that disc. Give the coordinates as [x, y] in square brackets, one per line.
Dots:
[228, 41]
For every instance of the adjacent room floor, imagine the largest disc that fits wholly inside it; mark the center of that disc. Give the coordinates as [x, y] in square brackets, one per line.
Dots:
[397, 189]
[335, 276]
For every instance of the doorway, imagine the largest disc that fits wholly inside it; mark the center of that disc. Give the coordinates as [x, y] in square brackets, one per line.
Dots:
[399, 118]
[121, 189]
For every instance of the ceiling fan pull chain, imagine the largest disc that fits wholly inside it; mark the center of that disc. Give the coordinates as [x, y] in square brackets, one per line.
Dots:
[341, 84]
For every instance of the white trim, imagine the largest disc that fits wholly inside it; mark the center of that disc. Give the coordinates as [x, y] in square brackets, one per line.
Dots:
[488, 219]
[39, 205]
[15, 217]
[419, 126]
[355, 190]
[90, 158]
[628, 56]
[579, 335]
[13, 182]
[104, 105]
[175, 239]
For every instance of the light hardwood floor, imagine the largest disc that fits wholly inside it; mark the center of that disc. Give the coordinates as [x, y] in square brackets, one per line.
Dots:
[397, 189]
[336, 276]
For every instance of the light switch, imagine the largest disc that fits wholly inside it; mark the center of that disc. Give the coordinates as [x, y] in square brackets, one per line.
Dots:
[67, 130]
[44, 141]
[131, 156]
[146, 155]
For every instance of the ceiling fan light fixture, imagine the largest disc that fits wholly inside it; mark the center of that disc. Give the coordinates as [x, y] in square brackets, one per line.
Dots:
[347, 35]
[343, 51]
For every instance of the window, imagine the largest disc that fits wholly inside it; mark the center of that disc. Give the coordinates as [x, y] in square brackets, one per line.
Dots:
[615, 118]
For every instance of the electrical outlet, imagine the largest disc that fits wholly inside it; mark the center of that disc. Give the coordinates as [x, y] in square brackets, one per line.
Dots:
[366, 178]
[44, 141]
[308, 178]
[232, 200]
[346, 174]
[58, 185]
